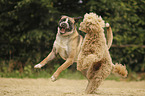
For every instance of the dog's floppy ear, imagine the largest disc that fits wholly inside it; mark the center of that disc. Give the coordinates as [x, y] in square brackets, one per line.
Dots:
[77, 19]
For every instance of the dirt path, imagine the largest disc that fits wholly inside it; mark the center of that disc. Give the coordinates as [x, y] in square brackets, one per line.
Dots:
[65, 87]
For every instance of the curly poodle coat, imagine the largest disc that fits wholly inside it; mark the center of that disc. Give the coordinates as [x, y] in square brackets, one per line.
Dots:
[94, 56]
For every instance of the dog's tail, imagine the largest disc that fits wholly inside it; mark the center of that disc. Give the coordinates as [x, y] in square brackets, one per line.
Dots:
[109, 35]
[119, 69]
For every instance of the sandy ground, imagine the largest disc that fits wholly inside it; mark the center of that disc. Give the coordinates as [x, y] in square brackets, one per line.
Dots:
[65, 87]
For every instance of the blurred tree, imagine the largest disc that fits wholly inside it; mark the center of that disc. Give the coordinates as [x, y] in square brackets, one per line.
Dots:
[27, 28]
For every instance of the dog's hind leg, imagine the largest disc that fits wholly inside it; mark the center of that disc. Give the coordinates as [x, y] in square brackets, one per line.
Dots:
[69, 61]
[84, 72]
[65, 65]
[51, 56]
[96, 74]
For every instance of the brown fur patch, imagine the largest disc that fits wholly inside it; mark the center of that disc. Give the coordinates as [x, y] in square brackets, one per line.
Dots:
[96, 66]
[92, 70]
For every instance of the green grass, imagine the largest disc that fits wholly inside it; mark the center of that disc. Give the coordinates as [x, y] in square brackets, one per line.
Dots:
[71, 75]
[67, 74]
[45, 74]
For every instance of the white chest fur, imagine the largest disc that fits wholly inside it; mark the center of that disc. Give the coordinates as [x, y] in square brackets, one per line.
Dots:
[61, 45]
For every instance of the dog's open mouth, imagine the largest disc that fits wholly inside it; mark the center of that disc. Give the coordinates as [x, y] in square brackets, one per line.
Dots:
[63, 30]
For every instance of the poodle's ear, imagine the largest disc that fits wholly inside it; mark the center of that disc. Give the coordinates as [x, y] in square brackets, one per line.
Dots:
[77, 19]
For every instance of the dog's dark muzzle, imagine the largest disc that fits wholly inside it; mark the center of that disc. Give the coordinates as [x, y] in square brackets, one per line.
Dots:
[64, 27]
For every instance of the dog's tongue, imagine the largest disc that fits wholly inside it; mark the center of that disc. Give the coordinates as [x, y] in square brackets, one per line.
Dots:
[62, 30]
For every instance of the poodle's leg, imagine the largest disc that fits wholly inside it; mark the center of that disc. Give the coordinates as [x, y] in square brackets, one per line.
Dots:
[79, 63]
[92, 85]
[86, 61]
[96, 74]
[92, 79]
[84, 72]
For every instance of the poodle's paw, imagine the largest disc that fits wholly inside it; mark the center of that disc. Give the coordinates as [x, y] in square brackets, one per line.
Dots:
[53, 78]
[38, 66]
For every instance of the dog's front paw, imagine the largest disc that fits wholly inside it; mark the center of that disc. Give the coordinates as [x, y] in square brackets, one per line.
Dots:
[53, 78]
[38, 66]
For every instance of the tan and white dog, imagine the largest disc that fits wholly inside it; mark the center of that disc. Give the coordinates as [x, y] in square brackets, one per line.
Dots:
[67, 44]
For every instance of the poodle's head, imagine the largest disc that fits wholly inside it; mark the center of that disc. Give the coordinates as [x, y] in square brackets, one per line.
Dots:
[92, 23]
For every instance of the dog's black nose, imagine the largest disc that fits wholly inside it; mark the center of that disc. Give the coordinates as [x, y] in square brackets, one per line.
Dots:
[64, 25]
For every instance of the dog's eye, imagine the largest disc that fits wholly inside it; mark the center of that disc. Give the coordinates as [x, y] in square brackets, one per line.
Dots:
[60, 27]
[69, 22]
